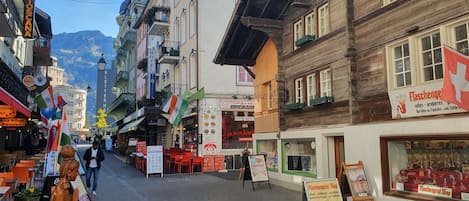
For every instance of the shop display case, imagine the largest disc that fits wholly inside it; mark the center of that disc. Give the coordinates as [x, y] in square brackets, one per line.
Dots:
[432, 166]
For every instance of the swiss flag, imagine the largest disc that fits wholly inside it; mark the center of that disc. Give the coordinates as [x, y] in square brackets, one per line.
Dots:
[456, 80]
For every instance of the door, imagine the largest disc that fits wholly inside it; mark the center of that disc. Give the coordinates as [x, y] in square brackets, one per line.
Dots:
[339, 154]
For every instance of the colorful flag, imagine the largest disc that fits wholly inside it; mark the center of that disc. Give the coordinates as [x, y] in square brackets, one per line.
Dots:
[46, 98]
[61, 102]
[49, 112]
[456, 78]
[170, 104]
[197, 95]
[176, 115]
[65, 137]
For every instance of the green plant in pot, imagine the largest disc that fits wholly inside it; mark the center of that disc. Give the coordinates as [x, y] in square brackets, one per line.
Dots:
[30, 194]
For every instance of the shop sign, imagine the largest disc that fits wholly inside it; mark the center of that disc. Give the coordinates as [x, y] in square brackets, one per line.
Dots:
[28, 80]
[324, 189]
[422, 100]
[435, 190]
[244, 118]
[236, 104]
[245, 139]
[13, 122]
[7, 111]
[28, 18]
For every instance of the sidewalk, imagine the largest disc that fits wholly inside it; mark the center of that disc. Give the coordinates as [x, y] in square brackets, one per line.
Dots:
[119, 181]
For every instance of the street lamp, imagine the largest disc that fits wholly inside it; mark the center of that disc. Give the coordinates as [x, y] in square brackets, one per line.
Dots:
[101, 62]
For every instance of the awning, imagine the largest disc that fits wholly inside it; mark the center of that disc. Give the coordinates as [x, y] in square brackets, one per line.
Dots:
[12, 101]
[131, 126]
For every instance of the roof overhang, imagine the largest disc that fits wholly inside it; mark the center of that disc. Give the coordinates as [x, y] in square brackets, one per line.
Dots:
[241, 44]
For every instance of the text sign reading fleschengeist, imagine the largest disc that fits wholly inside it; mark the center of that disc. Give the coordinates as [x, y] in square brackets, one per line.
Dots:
[7, 111]
[324, 189]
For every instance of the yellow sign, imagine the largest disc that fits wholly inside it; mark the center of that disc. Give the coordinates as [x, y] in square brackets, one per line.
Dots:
[28, 18]
[323, 189]
[13, 122]
[7, 111]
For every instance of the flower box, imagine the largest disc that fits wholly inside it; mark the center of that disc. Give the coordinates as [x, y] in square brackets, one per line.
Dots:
[321, 100]
[303, 40]
[293, 106]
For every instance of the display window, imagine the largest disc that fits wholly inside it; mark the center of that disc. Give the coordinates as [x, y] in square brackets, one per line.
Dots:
[429, 167]
[299, 157]
[237, 129]
[269, 149]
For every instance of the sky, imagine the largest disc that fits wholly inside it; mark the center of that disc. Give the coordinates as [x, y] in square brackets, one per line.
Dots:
[71, 16]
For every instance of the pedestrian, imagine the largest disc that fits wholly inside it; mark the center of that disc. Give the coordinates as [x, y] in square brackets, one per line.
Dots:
[93, 157]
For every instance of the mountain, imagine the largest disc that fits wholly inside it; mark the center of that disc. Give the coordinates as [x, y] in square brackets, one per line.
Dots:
[78, 53]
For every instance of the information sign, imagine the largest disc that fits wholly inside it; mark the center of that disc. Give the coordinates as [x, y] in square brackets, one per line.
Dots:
[258, 168]
[155, 160]
[322, 189]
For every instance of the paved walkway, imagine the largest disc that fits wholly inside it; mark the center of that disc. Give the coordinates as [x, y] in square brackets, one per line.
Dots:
[121, 182]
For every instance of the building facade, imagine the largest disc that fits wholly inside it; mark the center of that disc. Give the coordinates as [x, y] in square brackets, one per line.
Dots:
[352, 87]
[75, 109]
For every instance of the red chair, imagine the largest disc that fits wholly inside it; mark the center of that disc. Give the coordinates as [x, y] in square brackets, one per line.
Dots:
[22, 174]
[197, 161]
[184, 161]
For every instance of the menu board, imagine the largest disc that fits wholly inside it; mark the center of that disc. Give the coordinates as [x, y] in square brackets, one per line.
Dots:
[155, 160]
[323, 189]
[258, 168]
[208, 165]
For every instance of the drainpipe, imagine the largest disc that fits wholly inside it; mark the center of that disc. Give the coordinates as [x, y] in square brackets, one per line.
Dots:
[351, 54]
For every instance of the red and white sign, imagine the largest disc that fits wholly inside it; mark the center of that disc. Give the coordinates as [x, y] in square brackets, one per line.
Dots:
[456, 81]
[435, 191]
[245, 139]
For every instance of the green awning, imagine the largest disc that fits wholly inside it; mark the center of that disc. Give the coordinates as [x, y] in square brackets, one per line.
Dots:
[131, 126]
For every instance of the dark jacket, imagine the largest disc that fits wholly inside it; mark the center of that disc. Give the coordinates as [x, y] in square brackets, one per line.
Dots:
[99, 157]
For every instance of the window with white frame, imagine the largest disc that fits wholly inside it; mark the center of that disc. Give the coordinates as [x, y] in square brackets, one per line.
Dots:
[310, 87]
[243, 77]
[325, 78]
[299, 90]
[431, 55]
[183, 28]
[297, 31]
[176, 30]
[309, 24]
[192, 22]
[193, 71]
[462, 38]
[402, 65]
[323, 19]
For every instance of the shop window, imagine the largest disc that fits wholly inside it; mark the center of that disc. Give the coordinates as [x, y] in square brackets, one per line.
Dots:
[269, 149]
[299, 157]
[428, 167]
[235, 127]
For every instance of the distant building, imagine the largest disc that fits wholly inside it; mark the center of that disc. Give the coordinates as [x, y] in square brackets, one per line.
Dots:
[75, 108]
[104, 95]
[54, 72]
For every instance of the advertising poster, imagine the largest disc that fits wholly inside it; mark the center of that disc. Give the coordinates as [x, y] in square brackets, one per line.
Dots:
[155, 160]
[210, 127]
[258, 168]
[323, 189]
[357, 180]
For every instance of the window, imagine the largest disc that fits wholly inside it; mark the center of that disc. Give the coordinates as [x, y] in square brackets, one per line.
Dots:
[79, 125]
[192, 17]
[325, 78]
[193, 71]
[299, 90]
[176, 31]
[269, 149]
[402, 66]
[310, 87]
[431, 57]
[183, 28]
[299, 157]
[269, 96]
[323, 22]
[243, 77]
[437, 163]
[309, 22]
[297, 31]
[236, 125]
[462, 38]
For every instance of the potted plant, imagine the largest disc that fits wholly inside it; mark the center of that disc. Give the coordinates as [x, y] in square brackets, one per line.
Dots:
[30, 194]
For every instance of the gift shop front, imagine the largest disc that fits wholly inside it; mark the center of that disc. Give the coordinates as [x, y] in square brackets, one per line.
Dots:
[425, 158]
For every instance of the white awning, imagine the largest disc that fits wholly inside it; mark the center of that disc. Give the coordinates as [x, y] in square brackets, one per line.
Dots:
[131, 126]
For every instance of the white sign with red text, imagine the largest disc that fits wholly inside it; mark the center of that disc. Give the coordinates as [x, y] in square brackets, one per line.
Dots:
[422, 100]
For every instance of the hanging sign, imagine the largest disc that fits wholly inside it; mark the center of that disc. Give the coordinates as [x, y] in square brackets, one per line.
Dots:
[28, 19]
[7, 111]
[13, 122]
[28, 80]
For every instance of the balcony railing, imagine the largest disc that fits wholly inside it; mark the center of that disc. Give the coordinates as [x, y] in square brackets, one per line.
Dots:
[121, 79]
[174, 88]
[129, 39]
[121, 102]
[41, 52]
[168, 52]
[158, 19]
[7, 20]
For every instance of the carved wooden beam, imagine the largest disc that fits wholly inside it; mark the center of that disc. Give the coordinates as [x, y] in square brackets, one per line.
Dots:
[249, 72]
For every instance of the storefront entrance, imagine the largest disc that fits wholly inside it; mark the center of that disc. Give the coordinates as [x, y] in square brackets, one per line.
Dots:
[339, 154]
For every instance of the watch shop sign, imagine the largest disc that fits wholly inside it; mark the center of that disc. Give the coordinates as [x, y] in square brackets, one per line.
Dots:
[422, 100]
[28, 21]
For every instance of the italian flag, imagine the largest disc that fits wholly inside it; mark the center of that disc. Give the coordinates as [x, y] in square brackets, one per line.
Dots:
[45, 99]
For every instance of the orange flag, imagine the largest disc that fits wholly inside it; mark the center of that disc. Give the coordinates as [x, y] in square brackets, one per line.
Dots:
[456, 80]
